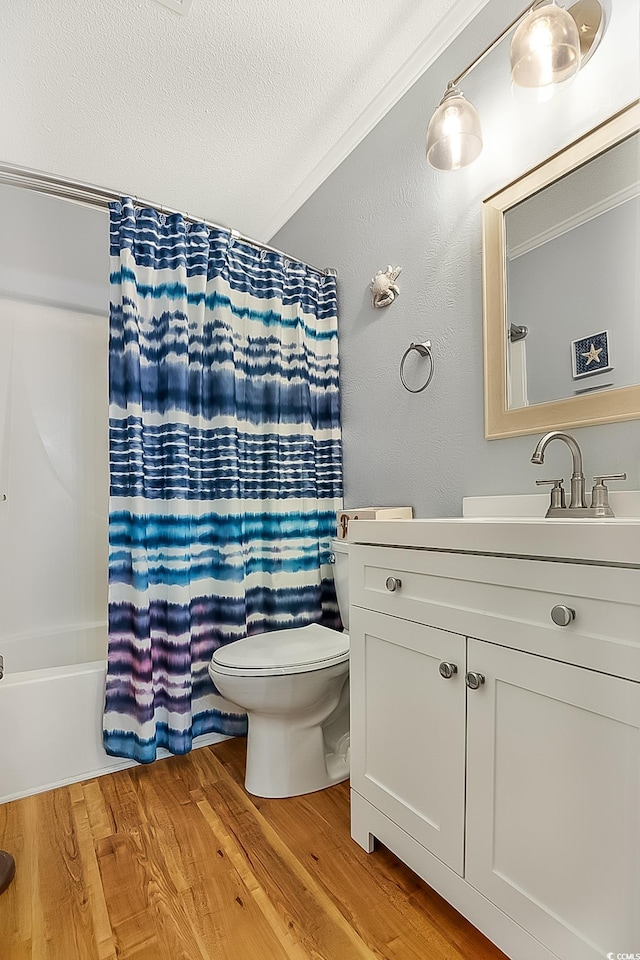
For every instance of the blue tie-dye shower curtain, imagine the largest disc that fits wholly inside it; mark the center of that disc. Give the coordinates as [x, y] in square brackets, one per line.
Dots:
[225, 467]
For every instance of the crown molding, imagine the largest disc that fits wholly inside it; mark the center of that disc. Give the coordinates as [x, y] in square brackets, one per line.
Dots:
[459, 15]
[589, 212]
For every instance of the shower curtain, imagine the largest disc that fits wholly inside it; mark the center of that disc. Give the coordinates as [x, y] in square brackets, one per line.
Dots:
[225, 467]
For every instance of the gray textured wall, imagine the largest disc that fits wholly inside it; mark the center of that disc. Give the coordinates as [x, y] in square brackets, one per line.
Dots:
[385, 205]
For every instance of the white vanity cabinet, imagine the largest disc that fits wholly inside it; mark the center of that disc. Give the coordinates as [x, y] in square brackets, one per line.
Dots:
[519, 800]
[405, 707]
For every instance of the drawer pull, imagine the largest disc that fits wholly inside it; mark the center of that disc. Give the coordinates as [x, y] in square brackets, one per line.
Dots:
[447, 670]
[393, 583]
[474, 680]
[562, 615]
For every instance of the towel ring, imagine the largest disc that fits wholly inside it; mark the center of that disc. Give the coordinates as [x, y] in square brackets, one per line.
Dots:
[424, 349]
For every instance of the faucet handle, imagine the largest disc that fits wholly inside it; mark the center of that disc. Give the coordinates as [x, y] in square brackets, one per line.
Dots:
[611, 476]
[600, 494]
[557, 493]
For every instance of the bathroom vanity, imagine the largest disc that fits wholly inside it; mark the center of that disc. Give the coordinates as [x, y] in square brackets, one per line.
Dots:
[495, 721]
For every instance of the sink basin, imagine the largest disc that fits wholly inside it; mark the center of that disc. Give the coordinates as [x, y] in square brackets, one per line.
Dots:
[612, 540]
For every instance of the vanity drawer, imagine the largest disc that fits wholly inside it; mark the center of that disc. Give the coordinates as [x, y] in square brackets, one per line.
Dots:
[508, 601]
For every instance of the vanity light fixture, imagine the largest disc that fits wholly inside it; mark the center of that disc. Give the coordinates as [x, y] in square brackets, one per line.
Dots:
[548, 47]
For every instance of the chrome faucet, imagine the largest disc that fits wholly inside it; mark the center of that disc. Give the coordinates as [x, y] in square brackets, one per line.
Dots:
[577, 500]
[599, 506]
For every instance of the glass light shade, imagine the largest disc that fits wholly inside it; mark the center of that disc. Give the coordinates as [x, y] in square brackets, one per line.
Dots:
[545, 48]
[454, 136]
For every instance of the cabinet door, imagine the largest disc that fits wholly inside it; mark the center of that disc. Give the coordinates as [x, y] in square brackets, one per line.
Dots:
[407, 728]
[553, 800]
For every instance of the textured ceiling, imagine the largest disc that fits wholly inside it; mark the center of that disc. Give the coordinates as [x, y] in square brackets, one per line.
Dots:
[223, 113]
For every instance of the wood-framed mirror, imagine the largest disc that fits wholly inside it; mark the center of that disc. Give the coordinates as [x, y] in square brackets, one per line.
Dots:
[561, 285]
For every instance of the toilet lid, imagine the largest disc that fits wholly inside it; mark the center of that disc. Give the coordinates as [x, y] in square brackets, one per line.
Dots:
[280, 652]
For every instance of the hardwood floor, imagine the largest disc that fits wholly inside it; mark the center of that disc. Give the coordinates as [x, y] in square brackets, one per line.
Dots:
[175, 861]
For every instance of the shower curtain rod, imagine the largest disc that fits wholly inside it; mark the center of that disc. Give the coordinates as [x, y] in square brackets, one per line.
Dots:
[90, 195]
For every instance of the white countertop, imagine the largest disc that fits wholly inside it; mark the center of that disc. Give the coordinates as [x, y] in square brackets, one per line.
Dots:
[610, 540]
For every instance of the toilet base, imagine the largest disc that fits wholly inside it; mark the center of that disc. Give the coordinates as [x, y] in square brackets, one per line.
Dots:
[298, 736]
[286, 761]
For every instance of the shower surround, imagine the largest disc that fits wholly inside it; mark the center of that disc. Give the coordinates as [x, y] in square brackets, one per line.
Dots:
[53, 546]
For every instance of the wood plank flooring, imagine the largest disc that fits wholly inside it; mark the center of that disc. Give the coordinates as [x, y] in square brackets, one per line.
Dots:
[175, 861]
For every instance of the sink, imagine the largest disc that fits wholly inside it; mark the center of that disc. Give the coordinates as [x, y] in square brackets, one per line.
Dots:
[508, 526]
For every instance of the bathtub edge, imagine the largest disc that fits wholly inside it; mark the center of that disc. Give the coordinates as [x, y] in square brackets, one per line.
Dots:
[205, 740]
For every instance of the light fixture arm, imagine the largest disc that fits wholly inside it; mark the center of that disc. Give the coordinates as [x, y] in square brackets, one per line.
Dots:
[487, 50]
[549, 46]
[590, 38]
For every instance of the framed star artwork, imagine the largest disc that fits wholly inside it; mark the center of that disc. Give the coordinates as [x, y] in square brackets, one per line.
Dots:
[591, 355]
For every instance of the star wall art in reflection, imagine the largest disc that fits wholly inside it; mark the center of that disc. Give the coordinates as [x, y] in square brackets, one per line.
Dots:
[591, 355]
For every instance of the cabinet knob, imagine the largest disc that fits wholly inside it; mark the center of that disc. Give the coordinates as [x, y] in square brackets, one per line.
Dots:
[447, 670]
[562, 615]
[393, 583]
[474, 680]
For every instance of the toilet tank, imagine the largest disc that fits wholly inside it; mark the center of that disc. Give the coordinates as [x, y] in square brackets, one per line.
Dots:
[340, 551]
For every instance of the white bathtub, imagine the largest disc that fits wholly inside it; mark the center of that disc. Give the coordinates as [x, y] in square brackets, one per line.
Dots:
[51, 702]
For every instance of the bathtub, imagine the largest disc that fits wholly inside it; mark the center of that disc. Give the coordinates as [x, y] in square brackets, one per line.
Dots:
[51, 701]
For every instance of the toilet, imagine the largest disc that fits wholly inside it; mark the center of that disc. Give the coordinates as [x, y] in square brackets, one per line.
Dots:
[294, 686]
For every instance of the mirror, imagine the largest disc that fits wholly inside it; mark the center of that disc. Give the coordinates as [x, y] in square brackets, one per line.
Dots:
[561, 248]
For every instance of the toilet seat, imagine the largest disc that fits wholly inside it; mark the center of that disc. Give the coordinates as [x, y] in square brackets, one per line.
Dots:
[282, 652]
